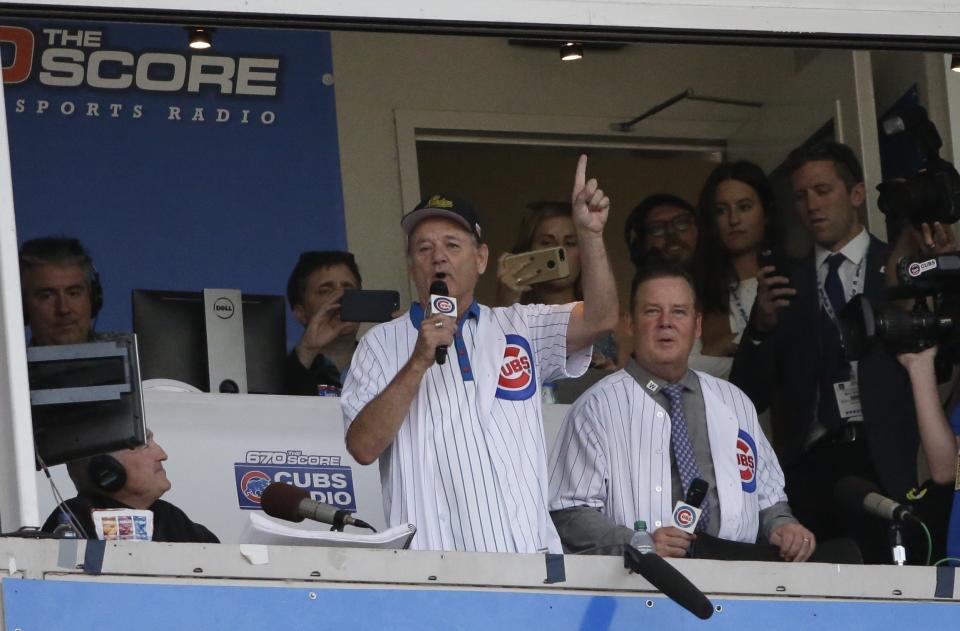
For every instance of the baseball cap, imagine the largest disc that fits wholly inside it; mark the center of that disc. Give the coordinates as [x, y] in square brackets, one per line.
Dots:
[447, 206]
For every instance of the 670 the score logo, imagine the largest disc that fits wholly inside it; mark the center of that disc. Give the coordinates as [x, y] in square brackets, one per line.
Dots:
[290, 458]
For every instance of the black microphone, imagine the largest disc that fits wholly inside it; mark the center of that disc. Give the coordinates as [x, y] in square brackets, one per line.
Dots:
[439, 288]
[854, 492]
[285, 501]
[640, 557]
[697, 492]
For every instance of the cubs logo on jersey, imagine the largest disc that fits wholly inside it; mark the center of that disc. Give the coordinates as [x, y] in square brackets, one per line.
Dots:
[747, 461]
[517, 380]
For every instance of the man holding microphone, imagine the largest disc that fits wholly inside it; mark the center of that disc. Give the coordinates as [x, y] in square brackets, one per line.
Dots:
[461, 443]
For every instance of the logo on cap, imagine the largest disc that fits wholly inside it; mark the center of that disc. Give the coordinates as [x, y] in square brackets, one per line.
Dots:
[516, 381]
[747, 461]
[438, 201]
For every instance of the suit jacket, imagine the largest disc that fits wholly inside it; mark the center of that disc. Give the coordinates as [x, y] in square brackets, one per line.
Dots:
[780, 372]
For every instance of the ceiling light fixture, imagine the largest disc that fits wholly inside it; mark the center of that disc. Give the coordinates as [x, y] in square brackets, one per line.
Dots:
[201, 38]
[571, 51]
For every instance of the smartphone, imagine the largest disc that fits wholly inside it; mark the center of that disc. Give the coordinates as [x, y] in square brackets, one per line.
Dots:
[545, 265]
[766, 258]
[369, 305]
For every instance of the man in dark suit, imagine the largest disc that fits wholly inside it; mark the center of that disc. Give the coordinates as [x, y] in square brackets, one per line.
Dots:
[830, 417]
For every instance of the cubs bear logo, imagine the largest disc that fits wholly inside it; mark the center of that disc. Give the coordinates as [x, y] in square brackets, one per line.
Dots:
[517, 380]
[747, 461]
[252, 485]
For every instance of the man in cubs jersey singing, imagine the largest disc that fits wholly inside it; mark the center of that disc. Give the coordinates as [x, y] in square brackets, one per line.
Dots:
[633, 444]
[460, 442]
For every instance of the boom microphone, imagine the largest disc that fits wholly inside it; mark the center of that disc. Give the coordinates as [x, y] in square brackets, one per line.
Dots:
[438, 288]
[856, 492]
[285, 501]
[640, 557]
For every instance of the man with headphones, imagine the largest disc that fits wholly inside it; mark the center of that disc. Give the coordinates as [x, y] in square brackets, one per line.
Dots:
[61, 291]
[129, 478]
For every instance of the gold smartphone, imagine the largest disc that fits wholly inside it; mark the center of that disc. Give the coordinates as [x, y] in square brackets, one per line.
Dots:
[539, 266]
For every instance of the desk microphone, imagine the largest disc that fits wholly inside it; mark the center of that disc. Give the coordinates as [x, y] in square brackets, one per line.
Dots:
[854, 492]
[288, 502]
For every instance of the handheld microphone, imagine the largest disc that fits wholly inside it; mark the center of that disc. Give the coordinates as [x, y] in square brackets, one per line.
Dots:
[285, 501]
[856, 492]
[640, 556]
[440, 302]
[686, 513]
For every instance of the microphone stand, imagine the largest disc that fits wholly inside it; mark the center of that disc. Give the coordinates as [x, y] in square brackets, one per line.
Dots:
[896, 544]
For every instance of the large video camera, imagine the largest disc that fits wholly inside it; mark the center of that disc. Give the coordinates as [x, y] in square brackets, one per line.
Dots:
[932, 193]
[933, 284]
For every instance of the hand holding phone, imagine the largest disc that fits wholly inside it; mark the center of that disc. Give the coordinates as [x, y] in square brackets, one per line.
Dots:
[369, 305]
[536, 266]
[773, 293]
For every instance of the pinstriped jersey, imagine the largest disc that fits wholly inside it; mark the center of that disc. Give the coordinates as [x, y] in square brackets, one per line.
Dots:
[468, 466]
[613, 454]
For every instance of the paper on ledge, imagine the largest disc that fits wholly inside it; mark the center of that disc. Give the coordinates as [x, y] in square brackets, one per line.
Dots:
[264, 530]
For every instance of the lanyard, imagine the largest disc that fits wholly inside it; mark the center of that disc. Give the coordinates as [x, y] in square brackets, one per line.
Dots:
[737, 304]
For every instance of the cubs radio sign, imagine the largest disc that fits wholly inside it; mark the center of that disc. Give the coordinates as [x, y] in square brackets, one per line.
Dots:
[517, 380]
[323, 477]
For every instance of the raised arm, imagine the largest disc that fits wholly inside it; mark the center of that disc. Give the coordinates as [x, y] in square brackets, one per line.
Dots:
[936, 436]
[598, 313]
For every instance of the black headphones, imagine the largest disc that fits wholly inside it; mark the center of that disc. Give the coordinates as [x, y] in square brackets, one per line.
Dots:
[106, 473]
[54, 248]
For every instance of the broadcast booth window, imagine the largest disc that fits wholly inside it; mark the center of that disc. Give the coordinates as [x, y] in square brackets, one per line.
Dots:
[291, 136]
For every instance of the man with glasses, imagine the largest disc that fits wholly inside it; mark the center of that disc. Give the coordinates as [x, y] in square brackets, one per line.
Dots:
[663, 224]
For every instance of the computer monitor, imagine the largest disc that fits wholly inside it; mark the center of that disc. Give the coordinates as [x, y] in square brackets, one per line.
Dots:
[85, 399]
[171, 329]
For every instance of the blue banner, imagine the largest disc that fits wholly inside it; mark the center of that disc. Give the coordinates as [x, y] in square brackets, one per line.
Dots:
[178, 169]
[323, 477]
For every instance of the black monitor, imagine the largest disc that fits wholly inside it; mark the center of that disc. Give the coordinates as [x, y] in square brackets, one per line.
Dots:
[171, 329]
[85, 399]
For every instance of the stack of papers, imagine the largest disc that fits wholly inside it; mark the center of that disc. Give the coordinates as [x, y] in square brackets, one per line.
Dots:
[264, 530]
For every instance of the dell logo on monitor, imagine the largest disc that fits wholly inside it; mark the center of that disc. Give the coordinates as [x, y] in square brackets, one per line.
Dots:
[223, 307]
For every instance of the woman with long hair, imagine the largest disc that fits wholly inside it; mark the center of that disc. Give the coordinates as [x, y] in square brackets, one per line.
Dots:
[739, 223]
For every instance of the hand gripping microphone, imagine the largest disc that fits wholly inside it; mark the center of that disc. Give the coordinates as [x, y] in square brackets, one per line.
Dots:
[285, 501]
[440, 302]
[857, 493]
[641, 557]
[686, 513]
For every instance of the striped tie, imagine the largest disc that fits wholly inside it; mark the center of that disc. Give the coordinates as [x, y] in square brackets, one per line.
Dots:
[682, 449]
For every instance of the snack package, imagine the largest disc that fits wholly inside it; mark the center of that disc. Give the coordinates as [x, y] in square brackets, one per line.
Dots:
[123, 524]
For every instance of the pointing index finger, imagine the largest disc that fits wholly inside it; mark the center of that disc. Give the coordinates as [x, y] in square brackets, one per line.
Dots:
[580, 178]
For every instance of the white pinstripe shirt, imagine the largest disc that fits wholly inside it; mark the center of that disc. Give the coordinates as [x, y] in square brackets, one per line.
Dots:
[613, 453]
[468, 466]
